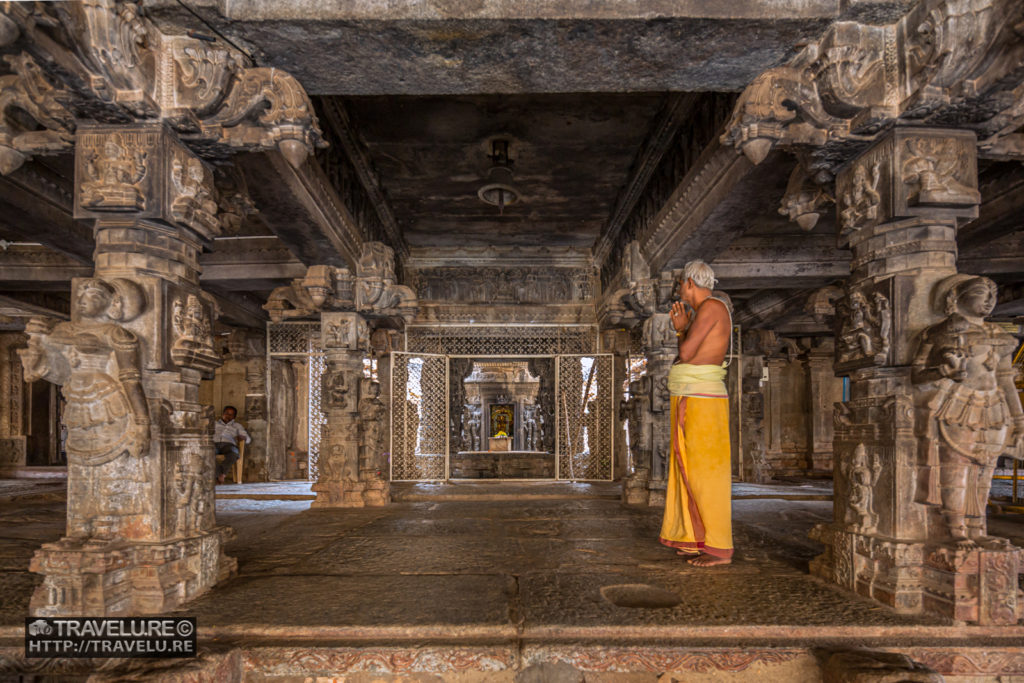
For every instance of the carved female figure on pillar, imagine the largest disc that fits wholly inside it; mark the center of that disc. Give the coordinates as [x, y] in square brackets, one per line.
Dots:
[97, 363]
[968, 411]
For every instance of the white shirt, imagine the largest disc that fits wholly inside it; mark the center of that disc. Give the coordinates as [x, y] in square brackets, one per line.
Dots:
[228, 432]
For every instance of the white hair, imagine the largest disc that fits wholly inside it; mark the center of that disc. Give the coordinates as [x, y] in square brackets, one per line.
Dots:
[700, 273]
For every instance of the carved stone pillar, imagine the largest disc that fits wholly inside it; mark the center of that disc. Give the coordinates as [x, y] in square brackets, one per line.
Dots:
[660, 347]
[823, 392]
[351, 448]
[13, 435]
[912, 462]
[755, 465]
[141, 536]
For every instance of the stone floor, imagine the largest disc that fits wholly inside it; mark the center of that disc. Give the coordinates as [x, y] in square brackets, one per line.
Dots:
[495, 581]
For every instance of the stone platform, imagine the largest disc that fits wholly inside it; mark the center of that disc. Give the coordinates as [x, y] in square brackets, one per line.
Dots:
[502, 465]
[516, 590]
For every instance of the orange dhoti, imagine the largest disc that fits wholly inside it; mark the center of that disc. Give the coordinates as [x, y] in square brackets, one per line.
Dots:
[698, 507]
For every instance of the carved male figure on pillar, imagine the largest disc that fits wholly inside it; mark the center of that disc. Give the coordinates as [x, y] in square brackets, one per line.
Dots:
[97, 363]
[968, 409]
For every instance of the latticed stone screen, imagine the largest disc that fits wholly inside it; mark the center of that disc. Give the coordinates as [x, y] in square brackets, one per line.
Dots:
[584, 403]
[493, 340]
[419, 413]
[301, 340]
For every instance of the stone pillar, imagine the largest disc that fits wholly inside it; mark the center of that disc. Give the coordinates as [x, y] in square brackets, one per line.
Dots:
[13, 435]
[905, 442]
[773, 393]
[352, 443]
[660, 347]
[752, 440]
[823, 392]
[141, 536]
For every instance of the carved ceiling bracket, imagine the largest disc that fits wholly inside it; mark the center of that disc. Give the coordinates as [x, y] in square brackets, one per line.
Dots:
[947, 63]
[373, 291]
[635, 296]
[111, 64]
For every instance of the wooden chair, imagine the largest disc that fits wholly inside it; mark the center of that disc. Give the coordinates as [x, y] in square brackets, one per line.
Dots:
[238, 463]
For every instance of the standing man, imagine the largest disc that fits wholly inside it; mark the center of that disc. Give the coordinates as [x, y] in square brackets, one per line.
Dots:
[698, 509]
[227, 435]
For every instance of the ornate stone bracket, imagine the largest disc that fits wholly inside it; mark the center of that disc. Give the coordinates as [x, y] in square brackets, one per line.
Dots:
[944, 63]
[373, 291]
[113, 64]
[636, 297]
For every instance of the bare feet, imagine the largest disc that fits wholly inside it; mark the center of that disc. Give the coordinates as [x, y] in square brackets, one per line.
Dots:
[706, 560]
[687, 553]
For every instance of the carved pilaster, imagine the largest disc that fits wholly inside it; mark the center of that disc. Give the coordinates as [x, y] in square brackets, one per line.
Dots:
[912, 462]
[141, 536]
[823, 391]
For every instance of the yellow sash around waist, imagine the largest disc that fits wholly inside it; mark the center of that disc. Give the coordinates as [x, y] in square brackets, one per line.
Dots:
[704, 381]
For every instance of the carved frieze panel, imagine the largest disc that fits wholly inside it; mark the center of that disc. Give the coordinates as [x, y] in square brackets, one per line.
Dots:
[517, 285]
[29, 92]
[144, 170]
[864, 326]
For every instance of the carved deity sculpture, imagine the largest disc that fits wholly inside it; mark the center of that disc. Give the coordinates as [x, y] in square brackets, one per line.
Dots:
[113, 177]
[968, 410]
[96, 361]
[474, 431]
[193, 344]
[372, 413]
[866, 327]
[861, 476]
[860, 202]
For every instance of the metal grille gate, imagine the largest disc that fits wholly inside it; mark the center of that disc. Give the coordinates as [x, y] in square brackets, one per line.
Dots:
[301, 341]
[584, 395]
[419, 417]
[584, 437]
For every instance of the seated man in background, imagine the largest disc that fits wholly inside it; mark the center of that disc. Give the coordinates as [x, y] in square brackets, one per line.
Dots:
[227, 435]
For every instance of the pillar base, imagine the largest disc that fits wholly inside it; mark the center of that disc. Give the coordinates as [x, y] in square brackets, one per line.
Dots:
[634, 488]
[352, 494]
[970, 584]
[98, 578]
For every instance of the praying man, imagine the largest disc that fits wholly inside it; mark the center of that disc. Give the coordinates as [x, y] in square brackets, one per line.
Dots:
[698, 508]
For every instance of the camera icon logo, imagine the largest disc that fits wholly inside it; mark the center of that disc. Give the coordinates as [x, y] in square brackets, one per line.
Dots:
[39, 627]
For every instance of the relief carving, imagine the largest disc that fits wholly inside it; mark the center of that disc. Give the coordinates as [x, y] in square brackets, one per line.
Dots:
[193, 343]
[113, 176]
[193, 201]
[861, 473]
[29, 92]
[97, 363]
[931, 169]
[372, 416]
[865, 328]
[861, 201]
[968, 409]
[122, 66]
[804, 199]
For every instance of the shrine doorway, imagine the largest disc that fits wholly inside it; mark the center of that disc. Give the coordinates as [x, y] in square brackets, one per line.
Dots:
[471, 417]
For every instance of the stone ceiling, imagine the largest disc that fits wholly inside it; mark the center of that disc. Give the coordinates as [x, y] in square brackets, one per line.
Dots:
[572, 154]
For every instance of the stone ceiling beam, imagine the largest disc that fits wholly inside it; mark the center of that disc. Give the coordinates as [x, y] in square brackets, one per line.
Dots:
[302, 208]
[340, 125]
[765, 262]
[453, 47]
[35, 207]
